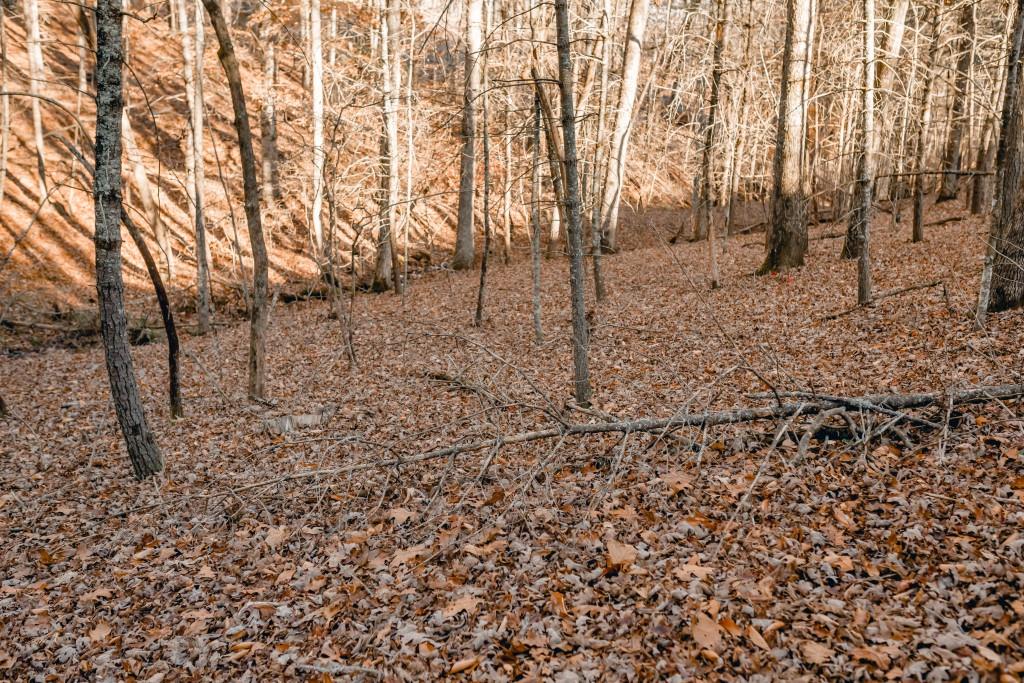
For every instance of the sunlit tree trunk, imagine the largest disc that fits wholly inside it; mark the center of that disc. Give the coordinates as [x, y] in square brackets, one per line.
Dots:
[316, 173]
[268, 126]
[538, 331]
[5, 105]
[787, 231]
[387, 273]
[865, 181]
[33, 43]
[250, 186]
[714, 96]
[465, 251]
[142, 448]
[616, 164]
[600, 154]
[146, 194]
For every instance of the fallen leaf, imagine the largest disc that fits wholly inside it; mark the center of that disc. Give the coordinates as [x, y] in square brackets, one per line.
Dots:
[99, 632]
[558, 603]
[870, 654]
[706, 631]
[463, 665]
[467, 604]
[404, 556]
[816, 653]
[400, 515]
[754, 636]
[677, 481]
[276, 536]
[620, 554]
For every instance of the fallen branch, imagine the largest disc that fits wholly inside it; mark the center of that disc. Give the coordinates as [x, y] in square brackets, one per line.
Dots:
[886, 295]
[882, 403]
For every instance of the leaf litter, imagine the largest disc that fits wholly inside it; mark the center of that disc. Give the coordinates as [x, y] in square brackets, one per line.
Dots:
[739, 552]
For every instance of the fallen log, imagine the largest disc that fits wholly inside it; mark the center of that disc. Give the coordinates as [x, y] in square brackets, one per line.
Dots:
[882, 403]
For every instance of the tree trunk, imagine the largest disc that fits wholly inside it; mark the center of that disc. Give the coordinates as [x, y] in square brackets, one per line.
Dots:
[600, 154]
[952, 156]
[616, 164]
[195, 170]
[141, 444]
[574, 238]
[787, 231]
[1002, 280]
[258, 319]
[387, 272]
[707, 191]
[538, 332]
[33, 43]
[865, 181]
[921, 146]
[465, 251]
[5, 106]
[316, 172]
[981, 191]
[268, 127]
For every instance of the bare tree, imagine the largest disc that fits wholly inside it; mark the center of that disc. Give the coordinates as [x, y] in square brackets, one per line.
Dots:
[574, 228]
[465, 251]
[920, 178]
[538, 331]
[866, 178]
[951, 158]
[1002, 279]
[316, 173]
[34, 44]
[5, 105]
[258, 312]
[268, 125]
[714, 96]
[616, 164]
[141, 444]
[387, 272]
[787, 231]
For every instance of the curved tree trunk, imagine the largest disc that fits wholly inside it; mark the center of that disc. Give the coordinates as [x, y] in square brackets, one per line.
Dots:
[142, 448]
[616, 165]
[787, 231]
[258, 319]
[465, 251]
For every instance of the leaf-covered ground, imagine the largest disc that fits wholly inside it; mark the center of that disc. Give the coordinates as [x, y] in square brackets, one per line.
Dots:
[279, 547]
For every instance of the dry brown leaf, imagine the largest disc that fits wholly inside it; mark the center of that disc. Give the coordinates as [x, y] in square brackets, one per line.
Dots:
[816, 653]
[677, 481]
[467, 604]
[558, 603]
[464, 665]
[408, 554]
[873, 655]
[706, 631]
[754, 636]
[99, 632]
[276, 536]
[620, 554]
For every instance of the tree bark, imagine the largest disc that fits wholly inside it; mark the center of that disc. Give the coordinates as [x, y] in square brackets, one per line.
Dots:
[258, 316]
[142, 448]
[387, 272]
[268, 126]
[787, 232]
[5, 105]
[951, 158]
[538, 331]
[316, 172]
[33, 43]
[921, 145]
[714, 96]
[865, 183]
[574, 237]
[616, 165]
[1002, 281]
[465, 252]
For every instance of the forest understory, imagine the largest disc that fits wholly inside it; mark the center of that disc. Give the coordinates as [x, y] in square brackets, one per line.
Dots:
[302, 536]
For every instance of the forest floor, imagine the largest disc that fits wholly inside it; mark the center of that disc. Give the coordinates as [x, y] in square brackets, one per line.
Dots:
[721, 553]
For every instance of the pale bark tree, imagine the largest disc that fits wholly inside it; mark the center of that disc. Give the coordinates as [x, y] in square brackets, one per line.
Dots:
[146, 194]
[465, 252]
[5, 105]
[600, 153]
[616, 165]
[268, 126]
[920, 178]
[1002, 279]
[538, 330]
[574, 227]
[34, 45]
[250, 186]
[951, 158]
[316, 173]
[387, 273]
[714, 96]
[192, 61]
[787, 230]
[866, 178]
[141, 444]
